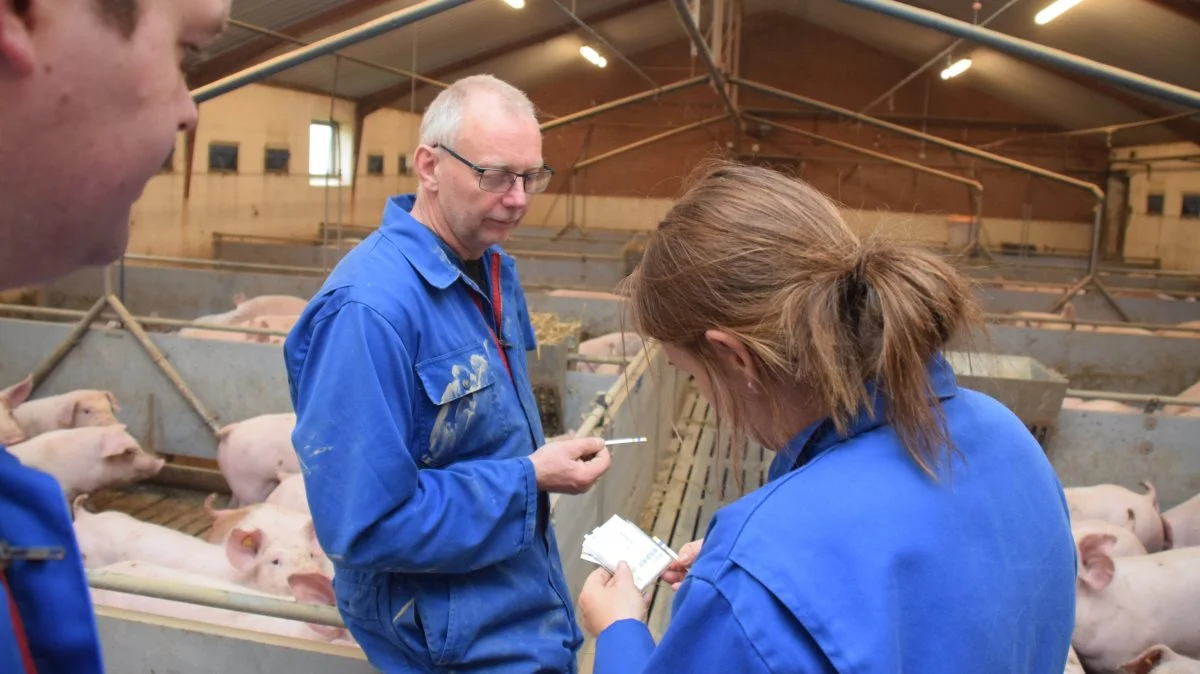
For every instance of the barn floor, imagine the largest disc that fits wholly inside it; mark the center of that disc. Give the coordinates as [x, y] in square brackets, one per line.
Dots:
[178, 509]
[686, 493]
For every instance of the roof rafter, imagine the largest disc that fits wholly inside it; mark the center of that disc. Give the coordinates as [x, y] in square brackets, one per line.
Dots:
[399, 91]
[233, 60]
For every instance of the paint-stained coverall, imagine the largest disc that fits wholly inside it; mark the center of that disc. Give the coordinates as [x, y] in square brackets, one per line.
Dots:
[415, 421]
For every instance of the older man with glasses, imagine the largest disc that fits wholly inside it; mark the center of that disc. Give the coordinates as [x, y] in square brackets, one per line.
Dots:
[417, 431]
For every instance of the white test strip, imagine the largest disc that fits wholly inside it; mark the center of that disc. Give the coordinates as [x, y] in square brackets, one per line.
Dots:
[623, 441]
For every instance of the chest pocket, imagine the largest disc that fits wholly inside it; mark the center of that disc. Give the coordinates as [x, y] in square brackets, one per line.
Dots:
[465, 413]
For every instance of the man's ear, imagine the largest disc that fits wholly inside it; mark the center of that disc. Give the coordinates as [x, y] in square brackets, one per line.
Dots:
[16, 37]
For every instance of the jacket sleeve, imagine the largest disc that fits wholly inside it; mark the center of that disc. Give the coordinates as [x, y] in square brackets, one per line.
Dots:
[707, 635]
[51, 596]
[372, 508]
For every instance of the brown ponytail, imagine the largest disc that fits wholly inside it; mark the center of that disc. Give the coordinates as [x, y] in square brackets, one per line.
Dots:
[769, 259]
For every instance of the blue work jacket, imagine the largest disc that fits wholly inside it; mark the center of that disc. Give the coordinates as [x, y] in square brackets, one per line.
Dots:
[415, 421]
[51, 597]
[852, 560]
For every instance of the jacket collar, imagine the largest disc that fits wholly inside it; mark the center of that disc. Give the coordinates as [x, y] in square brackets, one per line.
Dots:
[420, 245]
[823, 435]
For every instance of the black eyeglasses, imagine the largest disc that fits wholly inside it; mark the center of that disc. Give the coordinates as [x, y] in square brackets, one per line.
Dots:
[501, 180]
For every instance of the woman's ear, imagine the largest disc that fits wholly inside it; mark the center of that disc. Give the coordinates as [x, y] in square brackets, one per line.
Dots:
[732, 355]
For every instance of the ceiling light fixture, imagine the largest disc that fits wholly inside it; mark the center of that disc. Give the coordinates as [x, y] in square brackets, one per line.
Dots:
[957, 68]
[593, 56]
[1053, 11]
[516, 4]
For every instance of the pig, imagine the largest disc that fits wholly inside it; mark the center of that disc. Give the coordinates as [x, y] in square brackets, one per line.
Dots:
[283, 323]
[1159, 659]
[88, 459]
[291, 493]
[1098, 406]
[1128, 604]
[225, 318]
[1127, 543]
[1181, 333]
[306, 588]
[282, 524]
[76, 409]
[1190, 393]
[249, 556]
[586, 295]
[10, 399]
[611, 345]
[1184, 522]
[1035, 319]
[227, 336]
[266, 305]
[252, 452]
[1112, 503]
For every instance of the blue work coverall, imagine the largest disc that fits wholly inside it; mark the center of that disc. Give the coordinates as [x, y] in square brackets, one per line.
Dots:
[851, 559]
[415, 421]
[46, 620]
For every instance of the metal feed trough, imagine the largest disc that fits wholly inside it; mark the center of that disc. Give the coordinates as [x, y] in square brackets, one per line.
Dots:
[1033, 392]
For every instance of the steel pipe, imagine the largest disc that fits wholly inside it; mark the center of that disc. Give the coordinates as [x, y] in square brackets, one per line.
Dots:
[333, 43]
[646, 141]
[623, 102]
[1132, 398]
[920, 135]
[718, 78]
[1009, 318]
[144, 320]
[1032, 51]
[945, 175]
[229, 264]
[353, 59]
[206, 596]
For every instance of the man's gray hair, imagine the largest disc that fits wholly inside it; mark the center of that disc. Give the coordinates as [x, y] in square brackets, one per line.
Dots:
[444, 116]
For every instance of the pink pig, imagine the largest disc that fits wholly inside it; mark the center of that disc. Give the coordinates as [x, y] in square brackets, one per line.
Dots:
[266, 305]
[250, 556]
[1098, 406]
[1161, 660]
[306, 588]
[1128, 604]
[1184, 521]
[1127, 543]
[611, 345]
[10, 398]
[69, 410]
[87, 459]
[284, 526]
[290, 494]
[251, 453]
[1112, 503]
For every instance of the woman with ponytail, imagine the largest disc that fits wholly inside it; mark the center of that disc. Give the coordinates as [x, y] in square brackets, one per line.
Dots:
[908, 525]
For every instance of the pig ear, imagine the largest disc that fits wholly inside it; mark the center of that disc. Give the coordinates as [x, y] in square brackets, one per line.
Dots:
[1151, 492]
[1068, 312]
[17, 393]
[66, 418]
[112, 401]
[238, 298]
[242, 547]
[1146, 662]
[1095, 552]
[118, 447]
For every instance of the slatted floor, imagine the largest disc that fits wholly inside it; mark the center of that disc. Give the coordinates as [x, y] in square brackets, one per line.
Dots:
[694, 480]
[179, 509]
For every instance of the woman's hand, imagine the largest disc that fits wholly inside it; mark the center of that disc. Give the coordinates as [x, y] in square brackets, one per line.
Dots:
[678, 569]
[607, 598]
